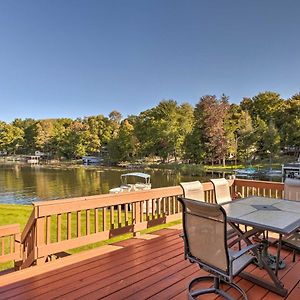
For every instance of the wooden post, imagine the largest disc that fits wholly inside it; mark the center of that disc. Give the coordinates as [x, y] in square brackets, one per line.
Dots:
[40, 240]
[137, 216]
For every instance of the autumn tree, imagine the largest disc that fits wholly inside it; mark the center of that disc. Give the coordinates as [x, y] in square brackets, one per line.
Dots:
[44, 133]
[209, 132]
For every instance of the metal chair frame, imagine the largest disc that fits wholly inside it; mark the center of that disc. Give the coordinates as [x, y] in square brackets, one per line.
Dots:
[218, 275]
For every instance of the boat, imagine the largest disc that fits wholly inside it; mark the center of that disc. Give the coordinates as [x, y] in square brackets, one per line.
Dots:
[272, 173]
[246, 172]
[133, 182]
[91, 160]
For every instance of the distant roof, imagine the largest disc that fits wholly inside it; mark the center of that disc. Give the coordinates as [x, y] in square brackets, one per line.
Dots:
[137, 174]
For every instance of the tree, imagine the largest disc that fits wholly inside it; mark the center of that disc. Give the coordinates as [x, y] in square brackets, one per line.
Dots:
[185, 127]
[271, 140]
[44, 132]
[290, 124]
[232, 124]
[115, 118]
[266, 106]
[162, 129]
[75, 140]
[210, 116]
[28, 127]
[245, 137]
[11, 137]
[123, 147]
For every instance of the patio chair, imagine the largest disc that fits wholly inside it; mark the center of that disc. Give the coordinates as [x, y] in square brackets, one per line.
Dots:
[193, 190]
[222, 195]
[222, 190]
[292, 189]
[292, 192]
[204, 227]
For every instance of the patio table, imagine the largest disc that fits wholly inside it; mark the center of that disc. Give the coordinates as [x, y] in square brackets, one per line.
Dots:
[276, 215]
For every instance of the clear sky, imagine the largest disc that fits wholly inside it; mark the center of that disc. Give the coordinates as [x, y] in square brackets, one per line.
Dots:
[61, 58]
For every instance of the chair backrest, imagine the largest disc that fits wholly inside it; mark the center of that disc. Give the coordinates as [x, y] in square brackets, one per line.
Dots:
[193, 190]
[292, 189]
[222, 190]
[204, 227]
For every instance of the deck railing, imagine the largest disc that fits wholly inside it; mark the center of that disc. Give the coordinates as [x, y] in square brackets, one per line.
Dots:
[28, 242]
[60, 225]
[244, 188]
[10, 243]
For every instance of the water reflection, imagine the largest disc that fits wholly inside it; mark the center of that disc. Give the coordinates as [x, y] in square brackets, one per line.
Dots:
[23, 184]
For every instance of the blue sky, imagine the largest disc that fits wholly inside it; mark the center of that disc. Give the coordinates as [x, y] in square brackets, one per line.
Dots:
[80, 58]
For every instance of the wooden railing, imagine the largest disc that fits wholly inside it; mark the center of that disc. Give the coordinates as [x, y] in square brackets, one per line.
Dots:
[28, 242]
[244, 188]
[64, 224]
[10, 243]
[60, 225]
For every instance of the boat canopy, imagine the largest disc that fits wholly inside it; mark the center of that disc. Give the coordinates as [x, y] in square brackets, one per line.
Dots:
[137, 174]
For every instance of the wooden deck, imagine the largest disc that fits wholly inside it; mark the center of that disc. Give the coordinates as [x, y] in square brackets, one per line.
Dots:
[150, 267]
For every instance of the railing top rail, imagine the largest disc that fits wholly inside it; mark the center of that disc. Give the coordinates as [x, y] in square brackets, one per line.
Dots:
[46, 208]
[28, 225]
[128, 196]
[83, 203]
[9, 229]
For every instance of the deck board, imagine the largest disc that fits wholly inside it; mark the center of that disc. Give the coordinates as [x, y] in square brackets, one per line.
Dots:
[142, 269]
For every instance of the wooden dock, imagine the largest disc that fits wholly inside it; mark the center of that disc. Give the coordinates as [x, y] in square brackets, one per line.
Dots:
[146, 267]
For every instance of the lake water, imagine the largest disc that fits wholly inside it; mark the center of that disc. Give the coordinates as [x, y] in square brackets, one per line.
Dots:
[23, 184]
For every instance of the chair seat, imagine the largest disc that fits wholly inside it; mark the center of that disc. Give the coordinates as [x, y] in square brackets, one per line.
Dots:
[239, 264]
[292, 240]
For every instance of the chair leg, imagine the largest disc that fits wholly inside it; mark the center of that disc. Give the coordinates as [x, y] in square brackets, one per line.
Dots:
[294, 255]
[215, 289]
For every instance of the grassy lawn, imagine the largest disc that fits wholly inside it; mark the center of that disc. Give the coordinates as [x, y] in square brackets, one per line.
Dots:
[12, 214]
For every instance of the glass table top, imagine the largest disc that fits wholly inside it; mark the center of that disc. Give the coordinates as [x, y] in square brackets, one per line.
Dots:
[277, 215]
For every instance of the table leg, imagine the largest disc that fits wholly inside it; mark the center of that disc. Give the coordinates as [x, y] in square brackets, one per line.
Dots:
[278, 253]
[277, 286]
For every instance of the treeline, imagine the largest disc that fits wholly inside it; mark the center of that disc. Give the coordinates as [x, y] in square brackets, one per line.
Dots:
[210, 132]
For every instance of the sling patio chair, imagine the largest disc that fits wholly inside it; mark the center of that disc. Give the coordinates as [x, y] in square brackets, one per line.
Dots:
[193, 190]
[292, 189]
[292, 192]
[222, 195]
[222, 190]
[205, 238]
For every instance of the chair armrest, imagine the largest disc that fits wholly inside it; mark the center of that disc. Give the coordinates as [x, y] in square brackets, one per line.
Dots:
[238, 254]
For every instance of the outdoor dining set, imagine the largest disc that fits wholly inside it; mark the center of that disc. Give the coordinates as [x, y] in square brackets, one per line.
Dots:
[211, 232]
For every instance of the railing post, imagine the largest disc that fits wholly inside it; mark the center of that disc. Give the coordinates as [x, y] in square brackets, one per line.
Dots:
[39, 237]
[19, 249]
[137, 218]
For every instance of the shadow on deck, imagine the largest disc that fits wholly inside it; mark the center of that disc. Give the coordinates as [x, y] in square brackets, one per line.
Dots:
[150, 266]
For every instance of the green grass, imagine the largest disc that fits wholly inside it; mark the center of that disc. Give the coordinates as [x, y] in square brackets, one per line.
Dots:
[12, 214]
